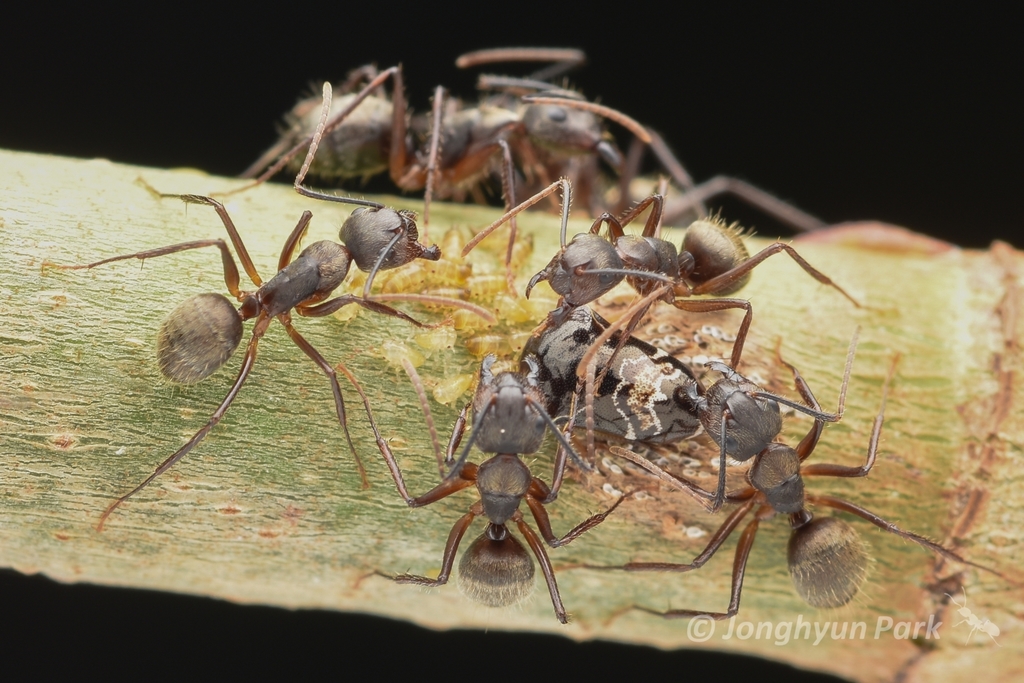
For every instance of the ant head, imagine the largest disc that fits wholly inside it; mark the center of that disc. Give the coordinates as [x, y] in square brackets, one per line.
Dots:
[570, 272]
[827, 562]
[508, 409]
[496, 570]
[566, 130]
[197, 338]
[750, 423]
[715, 248]
[776, 474]
[382, 238]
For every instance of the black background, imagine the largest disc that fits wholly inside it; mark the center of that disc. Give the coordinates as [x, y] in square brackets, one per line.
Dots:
[910, 117]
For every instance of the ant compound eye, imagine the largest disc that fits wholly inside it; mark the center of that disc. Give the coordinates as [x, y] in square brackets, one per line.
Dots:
[557, 114]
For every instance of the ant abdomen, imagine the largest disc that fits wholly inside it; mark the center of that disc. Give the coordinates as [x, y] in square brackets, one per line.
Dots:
[827, 562]
[496, 570]
[358, 148]
[716, 248]
[197, 338]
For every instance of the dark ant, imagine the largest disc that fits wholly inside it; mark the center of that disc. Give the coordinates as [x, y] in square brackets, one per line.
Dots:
[714, 261]
[827, 560]
[463, 142]
[509, 420]
[202, 333]
[648, 396]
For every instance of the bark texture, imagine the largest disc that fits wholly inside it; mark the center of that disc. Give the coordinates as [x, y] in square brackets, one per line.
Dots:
[268, 509]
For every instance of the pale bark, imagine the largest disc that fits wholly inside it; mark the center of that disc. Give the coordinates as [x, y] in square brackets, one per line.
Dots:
[268, 509]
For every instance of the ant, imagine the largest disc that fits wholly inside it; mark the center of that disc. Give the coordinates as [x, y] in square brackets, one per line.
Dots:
[646, 395]
[972, 620]
[202, 333]
[462, 143]
[509, 420]
[827, 560]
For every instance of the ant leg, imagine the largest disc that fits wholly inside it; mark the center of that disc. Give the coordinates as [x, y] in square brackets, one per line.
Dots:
[566, 201]
[374, 304]
[827, 470]
[540, 514]
[421, 394]
[436, 132]
[250, 357]
[561, 455]
[756, 197]
[630, 171]
[545, 565]
[675, 168]
[709, 305]
[293, 240]
[328, 307]
[677, 482]
[730, 277]
[884, 525]
[739, 567]
[231, 276]
[724, 531]
[456, 438]
[229, 225]
[450, 548]
[339, 400]
[508, 189]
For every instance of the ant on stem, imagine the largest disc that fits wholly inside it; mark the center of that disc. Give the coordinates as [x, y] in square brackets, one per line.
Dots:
[509, 420]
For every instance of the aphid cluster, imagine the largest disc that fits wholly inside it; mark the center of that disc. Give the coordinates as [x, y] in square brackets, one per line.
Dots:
[576, 369]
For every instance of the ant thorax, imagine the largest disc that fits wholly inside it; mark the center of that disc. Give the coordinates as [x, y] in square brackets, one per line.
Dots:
[646, 394]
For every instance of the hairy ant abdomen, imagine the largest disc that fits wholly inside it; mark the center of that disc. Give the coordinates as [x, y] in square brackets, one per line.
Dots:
[197, 338]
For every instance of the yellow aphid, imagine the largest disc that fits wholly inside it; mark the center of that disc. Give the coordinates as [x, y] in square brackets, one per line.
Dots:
[394, 352]
[517, 340]
[483, 344]
[486, 287]
[411, 278]
[435, 339]
[346, 313]
[448, 390]
[468, 321]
